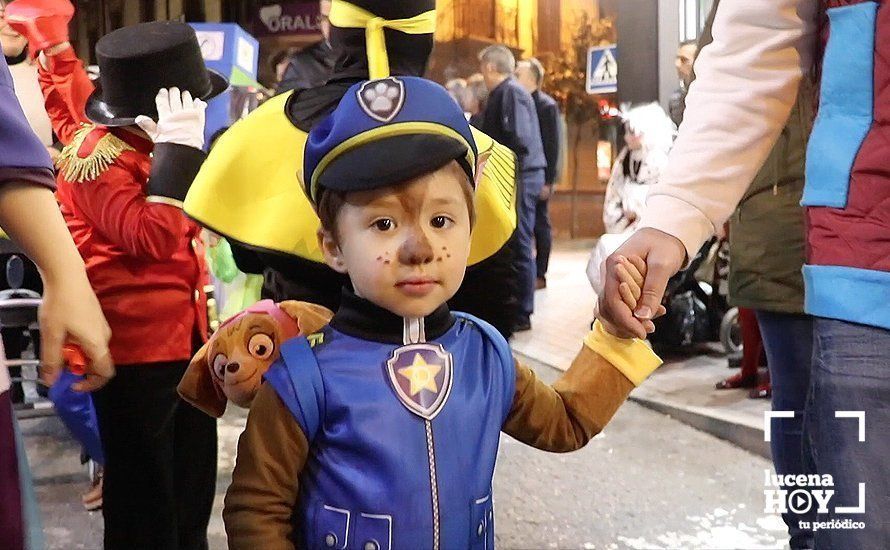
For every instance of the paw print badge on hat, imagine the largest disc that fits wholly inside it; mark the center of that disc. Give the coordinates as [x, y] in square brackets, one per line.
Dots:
[382, 99]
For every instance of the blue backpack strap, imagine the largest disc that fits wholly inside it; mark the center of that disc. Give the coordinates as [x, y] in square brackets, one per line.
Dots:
[296, 379]
[502, 347]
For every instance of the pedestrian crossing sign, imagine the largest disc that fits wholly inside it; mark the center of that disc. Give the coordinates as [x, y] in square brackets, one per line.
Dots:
[602, 69]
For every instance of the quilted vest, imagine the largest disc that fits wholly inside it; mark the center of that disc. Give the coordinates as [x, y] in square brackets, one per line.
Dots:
[847, 192]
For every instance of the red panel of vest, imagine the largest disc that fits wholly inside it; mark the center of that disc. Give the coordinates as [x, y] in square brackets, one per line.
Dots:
[859, 234]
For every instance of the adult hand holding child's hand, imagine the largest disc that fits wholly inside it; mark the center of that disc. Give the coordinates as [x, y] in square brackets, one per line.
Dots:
[657, 256]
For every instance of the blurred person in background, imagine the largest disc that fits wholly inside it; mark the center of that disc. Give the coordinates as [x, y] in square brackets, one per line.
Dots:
[648, 135]
[474, 99]
[686, 53]
[457, 89]
[530, 73]
[311, 66]
[510, 117]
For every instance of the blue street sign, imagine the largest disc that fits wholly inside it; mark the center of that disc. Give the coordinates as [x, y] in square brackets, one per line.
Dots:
[602, 69]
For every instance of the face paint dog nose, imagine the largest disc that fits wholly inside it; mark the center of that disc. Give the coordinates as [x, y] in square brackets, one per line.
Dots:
[416, 249]
[233, 367]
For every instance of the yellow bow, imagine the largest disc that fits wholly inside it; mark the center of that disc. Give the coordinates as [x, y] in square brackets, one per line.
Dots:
[349, 16]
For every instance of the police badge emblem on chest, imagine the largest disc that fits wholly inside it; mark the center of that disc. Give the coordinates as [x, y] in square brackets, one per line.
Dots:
[421, 375]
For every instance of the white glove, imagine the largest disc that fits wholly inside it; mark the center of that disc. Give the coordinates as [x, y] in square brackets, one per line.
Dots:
[180, 119]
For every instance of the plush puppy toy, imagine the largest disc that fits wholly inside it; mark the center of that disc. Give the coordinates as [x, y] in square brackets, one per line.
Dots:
[231, 365]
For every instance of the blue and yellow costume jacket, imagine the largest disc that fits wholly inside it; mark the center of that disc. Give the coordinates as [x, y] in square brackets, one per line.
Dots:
[381, 432]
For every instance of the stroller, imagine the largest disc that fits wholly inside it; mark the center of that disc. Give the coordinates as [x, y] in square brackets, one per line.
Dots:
[21, 337]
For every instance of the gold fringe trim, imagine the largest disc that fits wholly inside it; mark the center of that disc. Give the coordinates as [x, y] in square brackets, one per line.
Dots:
[76, 169]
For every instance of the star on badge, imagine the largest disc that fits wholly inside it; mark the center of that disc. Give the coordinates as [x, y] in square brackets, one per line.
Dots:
[421, 375]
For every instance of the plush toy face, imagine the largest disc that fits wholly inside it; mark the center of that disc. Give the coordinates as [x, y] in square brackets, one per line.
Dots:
[241, 352]
[231, 365]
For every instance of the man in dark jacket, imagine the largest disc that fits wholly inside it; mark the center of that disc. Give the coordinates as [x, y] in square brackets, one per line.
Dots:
[511, 119]
[310, 67]
[686, 53]
[530, 73]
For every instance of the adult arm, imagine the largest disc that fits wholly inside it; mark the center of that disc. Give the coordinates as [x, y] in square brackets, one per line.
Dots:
[69, 310]
[30, 215]
[746, 84]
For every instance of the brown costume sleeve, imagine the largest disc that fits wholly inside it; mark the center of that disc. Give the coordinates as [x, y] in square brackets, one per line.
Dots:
[260, 502]
[567, 415]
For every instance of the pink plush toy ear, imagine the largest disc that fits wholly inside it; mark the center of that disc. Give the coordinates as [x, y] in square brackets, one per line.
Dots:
[199, 387]
[309, 317]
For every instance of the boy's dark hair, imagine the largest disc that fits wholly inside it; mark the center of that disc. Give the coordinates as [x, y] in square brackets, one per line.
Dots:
[331, 201]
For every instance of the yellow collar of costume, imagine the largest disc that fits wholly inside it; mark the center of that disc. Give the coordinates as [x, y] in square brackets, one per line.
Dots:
[248, 191]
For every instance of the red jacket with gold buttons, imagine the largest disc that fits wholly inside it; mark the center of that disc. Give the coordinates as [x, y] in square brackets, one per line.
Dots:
[145, 259]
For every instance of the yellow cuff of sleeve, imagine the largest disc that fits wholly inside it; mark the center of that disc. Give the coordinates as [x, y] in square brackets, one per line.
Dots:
[164, 200]
[631, 356]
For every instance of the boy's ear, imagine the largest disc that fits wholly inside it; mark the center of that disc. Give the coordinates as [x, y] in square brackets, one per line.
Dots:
[331, 250]
[198, 387]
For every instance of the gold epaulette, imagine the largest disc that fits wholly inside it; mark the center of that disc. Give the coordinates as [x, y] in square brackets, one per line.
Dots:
[89, 154]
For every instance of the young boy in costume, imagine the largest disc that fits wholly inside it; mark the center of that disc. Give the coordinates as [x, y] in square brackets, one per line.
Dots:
[381, 431]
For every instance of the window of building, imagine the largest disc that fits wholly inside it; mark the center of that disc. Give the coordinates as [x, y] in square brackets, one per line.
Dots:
[693, 14]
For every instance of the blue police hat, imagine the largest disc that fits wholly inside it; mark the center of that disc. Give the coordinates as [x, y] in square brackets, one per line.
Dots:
[384, 132]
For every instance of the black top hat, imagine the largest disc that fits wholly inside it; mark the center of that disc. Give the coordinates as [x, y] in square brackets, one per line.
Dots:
[137, 61]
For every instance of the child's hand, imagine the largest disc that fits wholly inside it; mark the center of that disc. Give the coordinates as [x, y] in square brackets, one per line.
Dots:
[631, 273]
